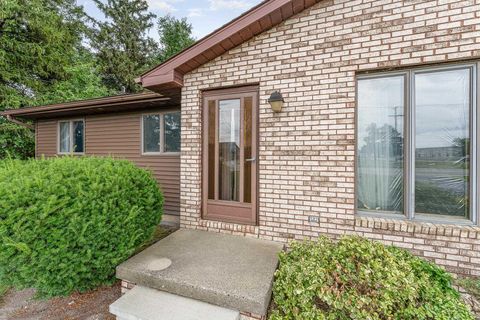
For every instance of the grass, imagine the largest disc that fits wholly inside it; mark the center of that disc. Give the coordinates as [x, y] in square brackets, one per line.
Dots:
[440, 164]
[429, 198]
[471, 285]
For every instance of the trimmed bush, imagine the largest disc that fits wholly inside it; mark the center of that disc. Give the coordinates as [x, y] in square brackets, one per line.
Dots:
[66, 223]
[356, 278]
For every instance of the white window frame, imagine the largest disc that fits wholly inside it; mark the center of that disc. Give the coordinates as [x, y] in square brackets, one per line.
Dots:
[409, 147]
[70, 125]
[162, 134]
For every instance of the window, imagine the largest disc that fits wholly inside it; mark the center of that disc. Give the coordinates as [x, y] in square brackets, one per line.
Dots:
[380, 144]
[161, 133]
[172, 132]
[414, 142]
[151, 133]
[71, 137]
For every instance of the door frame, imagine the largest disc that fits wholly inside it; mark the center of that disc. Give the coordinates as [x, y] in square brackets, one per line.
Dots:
[216, 205]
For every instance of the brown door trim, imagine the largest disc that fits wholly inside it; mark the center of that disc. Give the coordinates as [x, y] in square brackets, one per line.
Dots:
[230, 91]
[214, 208]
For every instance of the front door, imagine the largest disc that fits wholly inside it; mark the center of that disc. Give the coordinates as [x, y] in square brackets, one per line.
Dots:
[230, 155]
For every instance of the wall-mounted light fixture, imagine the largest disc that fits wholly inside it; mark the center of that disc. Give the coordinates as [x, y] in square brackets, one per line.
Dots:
[276, 101]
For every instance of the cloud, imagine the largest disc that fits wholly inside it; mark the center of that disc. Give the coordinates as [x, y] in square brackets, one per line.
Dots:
[229, 4]
[165, 5]
[195, 12]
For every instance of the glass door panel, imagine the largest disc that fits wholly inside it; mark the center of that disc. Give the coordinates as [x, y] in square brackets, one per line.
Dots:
[229, 171]
[229, 149]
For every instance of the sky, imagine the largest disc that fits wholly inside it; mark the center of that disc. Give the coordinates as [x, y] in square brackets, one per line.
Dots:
[442, 101]
[204, 15]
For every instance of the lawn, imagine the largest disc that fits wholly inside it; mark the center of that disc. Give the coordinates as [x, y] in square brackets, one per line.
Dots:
[22, 304]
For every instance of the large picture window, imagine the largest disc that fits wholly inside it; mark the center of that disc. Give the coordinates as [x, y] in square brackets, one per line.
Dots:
[414, 142]
[71, 137]
[161, 133]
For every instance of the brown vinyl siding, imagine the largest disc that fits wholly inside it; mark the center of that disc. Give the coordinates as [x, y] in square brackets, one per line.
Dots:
[119, 135]
[46, 138]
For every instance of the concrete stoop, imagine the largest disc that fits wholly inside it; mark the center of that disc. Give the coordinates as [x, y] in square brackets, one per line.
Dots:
[143, 303]
[197, 275]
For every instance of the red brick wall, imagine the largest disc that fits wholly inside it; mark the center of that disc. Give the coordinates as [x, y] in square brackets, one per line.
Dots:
[307, 152]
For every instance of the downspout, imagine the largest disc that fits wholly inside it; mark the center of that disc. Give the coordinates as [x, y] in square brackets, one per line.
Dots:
[20, 123]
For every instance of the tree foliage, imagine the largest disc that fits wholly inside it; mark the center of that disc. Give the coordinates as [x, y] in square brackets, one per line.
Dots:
[82, 82]
[50, 52]
[41, 61]
[16, 141]
[122, 44]
[37, 41]
[175, 35]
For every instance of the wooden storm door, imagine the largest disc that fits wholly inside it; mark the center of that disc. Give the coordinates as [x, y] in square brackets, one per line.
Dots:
[230, 155]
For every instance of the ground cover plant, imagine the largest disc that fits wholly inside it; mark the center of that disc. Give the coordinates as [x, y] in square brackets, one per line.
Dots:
[66, 223]
[356, 278]
[471, 285]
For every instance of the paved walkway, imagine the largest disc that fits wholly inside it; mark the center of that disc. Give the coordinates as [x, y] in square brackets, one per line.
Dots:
[224, 270]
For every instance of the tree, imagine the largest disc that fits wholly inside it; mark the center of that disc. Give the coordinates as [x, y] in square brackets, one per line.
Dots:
[37, 40]
[16, 141]
[175, 35]
[82, 82]
[123, 48]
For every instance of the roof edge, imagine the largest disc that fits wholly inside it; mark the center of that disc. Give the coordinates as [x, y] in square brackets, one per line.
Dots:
[80, 104]
[83, 103]
[199, 41]
[162, 74]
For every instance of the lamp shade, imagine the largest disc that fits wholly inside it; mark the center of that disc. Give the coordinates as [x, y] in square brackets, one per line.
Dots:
[276, 101]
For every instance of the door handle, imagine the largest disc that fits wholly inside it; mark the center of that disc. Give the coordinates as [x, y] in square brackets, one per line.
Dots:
[251, 159]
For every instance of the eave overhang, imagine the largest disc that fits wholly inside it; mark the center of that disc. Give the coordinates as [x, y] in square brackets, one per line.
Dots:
[168, 76]
[120, 103]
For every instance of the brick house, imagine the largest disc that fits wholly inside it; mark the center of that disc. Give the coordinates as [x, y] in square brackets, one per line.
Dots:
[377, 133]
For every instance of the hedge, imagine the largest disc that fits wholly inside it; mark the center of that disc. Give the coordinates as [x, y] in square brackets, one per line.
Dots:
[66, 223]
[356, 278]
[16, 141]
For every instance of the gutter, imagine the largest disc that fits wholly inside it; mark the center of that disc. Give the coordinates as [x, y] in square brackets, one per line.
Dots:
[97, 103]
[20, 123]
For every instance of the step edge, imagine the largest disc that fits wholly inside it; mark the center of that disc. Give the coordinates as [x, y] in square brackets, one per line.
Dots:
[118, 312]
[251, 305]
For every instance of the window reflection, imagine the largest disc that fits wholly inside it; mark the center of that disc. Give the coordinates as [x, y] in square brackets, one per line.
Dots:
[151, 133]
[64, 137]
[380, 144]
[172, 132]
[78, 136]
[229, 149]
[442, 143]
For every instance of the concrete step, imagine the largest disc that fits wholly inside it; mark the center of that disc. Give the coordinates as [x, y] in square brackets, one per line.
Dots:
[141, 303]
[224, 270]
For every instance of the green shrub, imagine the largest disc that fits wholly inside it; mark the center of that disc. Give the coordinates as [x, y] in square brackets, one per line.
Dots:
[16, 141]
[471, 285]
[356, 278]
[66, 223]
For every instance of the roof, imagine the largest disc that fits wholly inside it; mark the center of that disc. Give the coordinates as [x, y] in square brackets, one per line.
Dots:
[100, 105]
[167, 78]
[169, 75]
